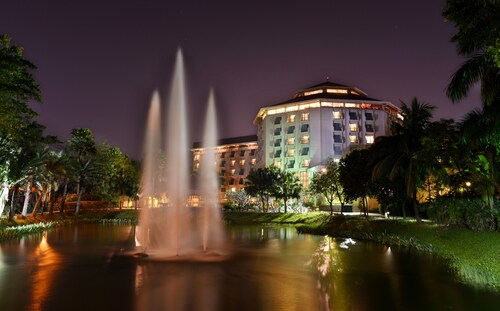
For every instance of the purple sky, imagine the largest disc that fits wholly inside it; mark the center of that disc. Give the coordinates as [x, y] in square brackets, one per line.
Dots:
[99, 61]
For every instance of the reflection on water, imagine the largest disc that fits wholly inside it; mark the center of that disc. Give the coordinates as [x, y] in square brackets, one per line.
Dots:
[272, 268]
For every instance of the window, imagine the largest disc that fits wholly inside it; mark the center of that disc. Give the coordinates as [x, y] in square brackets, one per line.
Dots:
[353, 127]
[222, 172]
[313, 92]
[337, 115]
[277, 131]
[290, 141]
[242, 181]
[304, 179]
[305, 163]
[222, 163]
[305, 151]
[232, 163]
[304, 116]
[353, 115]
[222, 155]
[277, 164]
[304, 128]
[291, 118]
[304, 139]
[337, 150]
[231, 181]
[369, 116]
[196, 165]
[337, 138]
[242, 171]
[353, 139]
[253, 161]
[242, 162]
[291, 129]
[337, 126]
[369, 127]
[290, 152]
[242, 153]
[232, 154]
[277, 142]
[252, 152]
[290, 164]
[277, 120]
[277, 153]
[370, 139]
[197, 157]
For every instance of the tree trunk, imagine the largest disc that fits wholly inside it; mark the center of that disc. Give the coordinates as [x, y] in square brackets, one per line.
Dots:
[12, 204]
[415, 207]
[38, 199]
[285, 199]
[63, 199]
[4, 194]
[331, 207]
[77, 211]
[27, 194]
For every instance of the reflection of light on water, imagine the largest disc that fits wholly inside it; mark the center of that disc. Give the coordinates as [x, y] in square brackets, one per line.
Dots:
[346, 243]
[43, 272]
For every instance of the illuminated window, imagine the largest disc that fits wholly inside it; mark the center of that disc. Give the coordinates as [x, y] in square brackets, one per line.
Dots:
[277, 131]
[242, 162]
[290, 141]
[354, 92]
[304, 128]
[304, 139]
[338, 91]
[351, 105]
[337, 138]
[353, 139]
[305, 163]
[277, 164]
[313, 92]
[277, 120]
[196, 165]
[277, 142]
[370, 139]
[290, 152]
[304, 179]
[369, 128]
[253, 161]
[337, 126]
[353, 127]
[353, 115]
[291, 118]
[242, 153]
[277, 153]
[197, 157]
[337, 150]
[233, 171]
[292, 108]
[233, 162]
[305, 151]
[233, 189]
[369, 116]
[337, 115]
[304, 116]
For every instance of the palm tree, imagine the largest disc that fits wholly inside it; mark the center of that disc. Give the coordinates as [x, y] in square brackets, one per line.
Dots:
[260, 183]
[399, 155]
[287, 186]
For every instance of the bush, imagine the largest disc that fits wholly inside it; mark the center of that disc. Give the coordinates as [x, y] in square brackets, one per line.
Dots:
[471, 213]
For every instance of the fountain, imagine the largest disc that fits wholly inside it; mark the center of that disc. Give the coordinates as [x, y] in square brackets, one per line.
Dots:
[170, 229]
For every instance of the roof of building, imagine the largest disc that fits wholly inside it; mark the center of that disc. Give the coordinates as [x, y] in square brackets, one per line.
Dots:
[231, 141]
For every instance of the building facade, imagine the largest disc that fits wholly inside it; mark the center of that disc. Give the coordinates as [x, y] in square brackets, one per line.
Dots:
[322, 121]
[235, 157]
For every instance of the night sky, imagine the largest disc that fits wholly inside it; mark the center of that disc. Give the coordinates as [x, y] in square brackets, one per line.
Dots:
[99, 61]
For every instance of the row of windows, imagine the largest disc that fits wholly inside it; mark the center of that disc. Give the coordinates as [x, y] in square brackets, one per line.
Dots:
[337, 114]
[232, 172]
[291, 152]
[353, 139]
[233, 153]
[291, 118]
[241, 162]
[291, 163]
[353, 127]
[291, 129]
[304, 139]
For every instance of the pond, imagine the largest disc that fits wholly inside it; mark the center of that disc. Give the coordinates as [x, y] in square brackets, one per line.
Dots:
[272, 268]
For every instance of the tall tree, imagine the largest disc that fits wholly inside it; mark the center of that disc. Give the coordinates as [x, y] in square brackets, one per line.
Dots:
[327, 183]
[260, 183]
[399, 156]
[287, 187]
[355, 176]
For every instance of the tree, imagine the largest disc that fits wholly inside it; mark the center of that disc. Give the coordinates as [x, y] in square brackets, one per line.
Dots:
[327, 183]
[240, 198]
[399, 154]
[260, 183]
[287, 187]
[355, 176]
[478, 39]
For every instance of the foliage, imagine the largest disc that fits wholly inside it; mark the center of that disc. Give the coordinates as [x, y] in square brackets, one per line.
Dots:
[355, 176]
[327, 182]
[286, 186]
[240, 199]
[260, 183]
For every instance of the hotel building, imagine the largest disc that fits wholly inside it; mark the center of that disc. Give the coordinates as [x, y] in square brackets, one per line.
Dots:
[299, 134]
